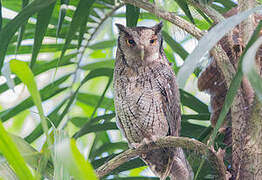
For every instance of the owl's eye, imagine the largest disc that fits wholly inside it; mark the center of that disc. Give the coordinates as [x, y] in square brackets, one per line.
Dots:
[152, 41]
[130, 42]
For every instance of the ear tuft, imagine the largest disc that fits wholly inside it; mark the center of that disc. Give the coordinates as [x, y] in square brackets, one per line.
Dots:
[158, 27]
[120, 27]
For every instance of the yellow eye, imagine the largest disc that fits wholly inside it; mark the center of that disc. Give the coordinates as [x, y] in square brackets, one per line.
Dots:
[130, 42]
[153, 41]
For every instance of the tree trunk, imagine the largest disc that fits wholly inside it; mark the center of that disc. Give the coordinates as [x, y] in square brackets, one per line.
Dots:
[246, 117]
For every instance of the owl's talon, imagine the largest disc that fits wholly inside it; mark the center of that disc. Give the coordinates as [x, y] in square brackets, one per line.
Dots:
[146, 141]
[154, 138]
[134, 145]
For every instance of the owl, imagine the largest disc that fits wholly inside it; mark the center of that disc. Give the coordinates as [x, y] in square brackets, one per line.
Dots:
[146, 99]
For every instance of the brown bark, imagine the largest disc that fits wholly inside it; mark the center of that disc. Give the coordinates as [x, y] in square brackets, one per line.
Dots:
[167, 142]
[252, 166]
[246, 119]
[169, 16]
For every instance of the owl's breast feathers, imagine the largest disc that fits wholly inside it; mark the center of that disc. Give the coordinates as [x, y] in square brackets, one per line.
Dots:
[146, 101]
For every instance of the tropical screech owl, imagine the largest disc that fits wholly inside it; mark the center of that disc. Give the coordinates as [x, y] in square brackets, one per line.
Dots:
[147, 98]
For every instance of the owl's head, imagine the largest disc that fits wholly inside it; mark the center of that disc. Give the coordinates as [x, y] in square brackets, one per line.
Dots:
[140, 43]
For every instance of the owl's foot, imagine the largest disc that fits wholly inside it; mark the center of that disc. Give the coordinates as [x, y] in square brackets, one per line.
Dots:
[134, 145]
[137, 145]
[145, 141]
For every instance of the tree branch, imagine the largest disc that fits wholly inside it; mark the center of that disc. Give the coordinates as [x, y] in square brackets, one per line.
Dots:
[224, 64]
[247, 26]
[166, 142]
[208, 10]
[169, 16]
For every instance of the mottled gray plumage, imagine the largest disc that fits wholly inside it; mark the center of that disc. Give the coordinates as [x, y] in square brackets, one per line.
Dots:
[147, 98]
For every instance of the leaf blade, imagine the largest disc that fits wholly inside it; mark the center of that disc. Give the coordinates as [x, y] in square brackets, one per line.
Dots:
[43, 18]
[132, 15]
[11, 153]
[75, 162]
[81, 9]
[9, 30]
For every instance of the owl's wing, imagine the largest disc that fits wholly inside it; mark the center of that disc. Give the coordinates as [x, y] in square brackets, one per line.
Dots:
[170, 100]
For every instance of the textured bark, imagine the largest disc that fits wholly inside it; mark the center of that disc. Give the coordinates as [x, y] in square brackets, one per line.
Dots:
[247, 26]
[246, 155]
[167, 142]
[240, 115]
[169, 16]
[252, 166]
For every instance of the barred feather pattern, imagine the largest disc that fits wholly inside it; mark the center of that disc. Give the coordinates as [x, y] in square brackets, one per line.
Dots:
[147, 105]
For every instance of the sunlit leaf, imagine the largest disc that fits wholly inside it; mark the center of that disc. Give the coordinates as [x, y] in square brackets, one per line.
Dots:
[6, 171]
[92, 100]
[74, 162]
[60, 172]
[42, 66]
[103, 44]
[95, 128]
[192, 102]
[81, 121]
[184, 6]
[131, 164]
[54, 119]
[31, 156]
[22, 70]
[176, 47]
[99, 64]
[205, 17]
[14, 158]
[46, 93]
[27, 49]
[99, 102]
[110, 148]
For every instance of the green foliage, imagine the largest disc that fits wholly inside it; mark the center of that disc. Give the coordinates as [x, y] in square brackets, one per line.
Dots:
[64, 55]
[74, 162]
[132, 15]
[1, 18]
[14, 158]
[43, 18]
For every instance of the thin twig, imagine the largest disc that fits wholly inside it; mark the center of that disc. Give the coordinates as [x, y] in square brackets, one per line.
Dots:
[166, 142]
[169, 16]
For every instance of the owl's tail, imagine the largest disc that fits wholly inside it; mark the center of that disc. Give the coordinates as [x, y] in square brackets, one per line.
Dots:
[165, 162]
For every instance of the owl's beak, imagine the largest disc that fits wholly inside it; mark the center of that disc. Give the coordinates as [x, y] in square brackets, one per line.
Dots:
[142, 53]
